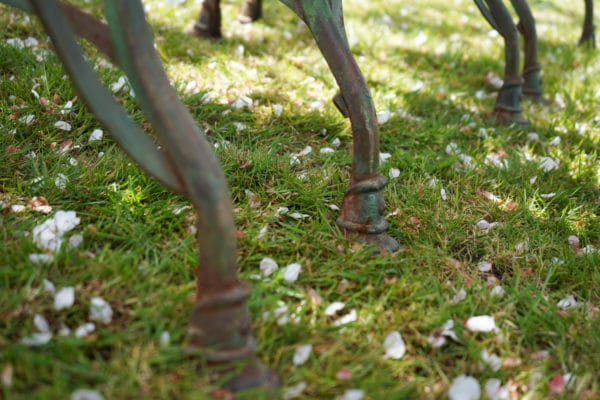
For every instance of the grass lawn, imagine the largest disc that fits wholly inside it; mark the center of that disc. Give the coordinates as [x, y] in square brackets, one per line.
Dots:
[494, 221]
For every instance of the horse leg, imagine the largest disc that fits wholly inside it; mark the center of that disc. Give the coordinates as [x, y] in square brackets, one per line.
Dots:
[588, 33]
[208, 24]
[532, 70]
[251, 11]
[508, 103]
[361, 215]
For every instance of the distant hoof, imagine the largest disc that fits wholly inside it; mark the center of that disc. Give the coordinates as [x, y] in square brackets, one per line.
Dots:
[504, 117]
[205, 31]
[253, 375]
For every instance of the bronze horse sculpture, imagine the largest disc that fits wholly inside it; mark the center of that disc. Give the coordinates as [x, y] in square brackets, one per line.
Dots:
[220, 325]
[516, 85]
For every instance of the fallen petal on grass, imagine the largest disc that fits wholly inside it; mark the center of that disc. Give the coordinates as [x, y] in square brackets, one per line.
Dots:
[301, 354]
[37, 339]
[100, 310]
[481, 323]
[353, 394]
[291, 392]
[86, 394]
[334, 307]
[394, 346]
[567, 303]
[346, 319]
[464, 387]
[291, 272]
[268, 266]
[64, 298]
[85, 329]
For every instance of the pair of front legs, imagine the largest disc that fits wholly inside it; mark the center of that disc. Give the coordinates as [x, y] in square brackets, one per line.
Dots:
[208, 24]
[529, 84]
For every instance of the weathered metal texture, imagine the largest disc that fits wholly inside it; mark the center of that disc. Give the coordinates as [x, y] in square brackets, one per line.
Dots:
[508, 102]
[220, 326]
[588, 32]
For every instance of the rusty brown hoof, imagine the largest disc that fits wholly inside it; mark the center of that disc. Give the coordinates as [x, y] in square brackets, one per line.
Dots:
[504, 117]
[253, 375]
[204, 31]
[382, 243]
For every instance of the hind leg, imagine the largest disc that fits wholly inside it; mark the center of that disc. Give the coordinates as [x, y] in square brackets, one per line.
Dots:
[532, 70]
[588, 33]
[208, 24]
[251, 11]
[508, 103]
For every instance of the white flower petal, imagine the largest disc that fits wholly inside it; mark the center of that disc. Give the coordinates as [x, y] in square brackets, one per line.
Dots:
[484, 266]
[62, 125]
[100, 310]
[42, 258]
[268, 266]
[165, 338]
[301, 354]
[291, 272]
[41, 323]
[346, 319]
[86, 394]
[334, 307]
[491, 360]
[96, 135]
[64, 298]
[353, 394]
[464, 388]
[481, 323]
[567, 303]
[85, 329]
[37, 339]
[294, 391]
[394, 346]
[495, 390]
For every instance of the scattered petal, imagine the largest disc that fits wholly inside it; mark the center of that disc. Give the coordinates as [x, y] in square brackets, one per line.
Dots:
[497, 291]
[48, 286]
[61, 181]
[344, 374]
[291, 272]
[491, 360]
[277, 109]
[443, 194]
[334, 307]
[539, 355]
[165, 338]
[280, 211]
[483, 225]
[549, 163]
[394, 173]
[383, 116]
[557, 384]
[262, 232]
[86, 394]
[297, 215]
[346, 319]
[481, 323]
[353, 394]
[464, 388]
[383, 157]
[574, 241]
[484, 266]
[268, 266]
[41, 258]
[301, 354]
[100, 310]
[41, 323]
[326, 150]
[495, 390]
[85, 329]
[62, 125]
[294, 391]
[459, 296]
[96, 135]
[75, 241]
[394, 346]
[64, 298]
[567, 303]
[37, 339]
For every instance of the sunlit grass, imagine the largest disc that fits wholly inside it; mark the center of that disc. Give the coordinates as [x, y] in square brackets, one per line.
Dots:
[426, 62]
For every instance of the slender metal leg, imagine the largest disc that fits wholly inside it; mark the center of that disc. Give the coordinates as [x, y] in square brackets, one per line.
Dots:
[532, 70]
[208, 24]
[508, 103]
[362, 210]
[588, 33]
[251, 11]
[220, 323]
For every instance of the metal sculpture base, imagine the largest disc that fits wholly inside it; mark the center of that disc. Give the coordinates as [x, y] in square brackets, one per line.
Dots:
[507, 110]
